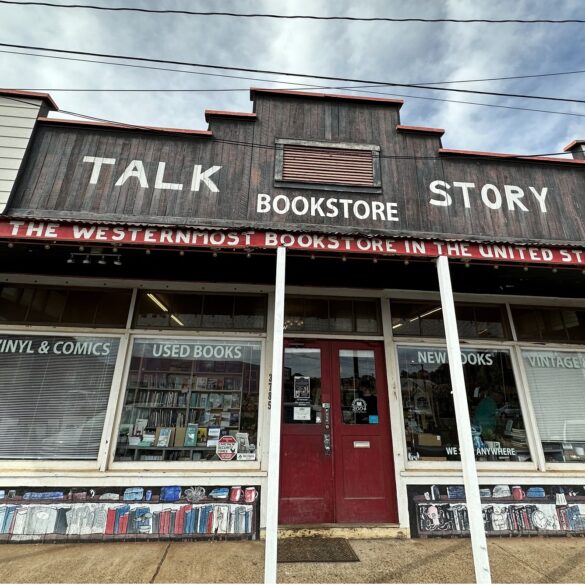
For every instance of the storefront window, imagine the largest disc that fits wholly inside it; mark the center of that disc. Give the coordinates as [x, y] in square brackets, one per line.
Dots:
[183, 396]
[556, 381]
[546, 324]
[425, 319]
[337, 315]
[429, 415]
[54, 393]
[162, 310]
[357, 376]
[21, 304]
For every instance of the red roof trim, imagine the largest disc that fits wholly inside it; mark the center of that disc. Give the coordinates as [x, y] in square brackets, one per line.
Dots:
[124, 127]
[31, 94]
[572, 145]
[420, 129]
[223, 114]
[324, 96]
[519, 157]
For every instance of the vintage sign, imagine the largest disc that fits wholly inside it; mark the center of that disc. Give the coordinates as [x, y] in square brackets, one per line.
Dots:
[186, 238]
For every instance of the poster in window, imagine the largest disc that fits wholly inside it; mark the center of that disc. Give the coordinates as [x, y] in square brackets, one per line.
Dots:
[302, 389]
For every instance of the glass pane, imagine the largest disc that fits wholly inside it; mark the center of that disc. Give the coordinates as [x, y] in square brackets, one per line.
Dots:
[301, 379]
[250, 312]
[489, 322]
[47, 306]
[557, 387]
[357, 374]
[293, 314]
[152, 310]
[54, 392]
[13, 304]
[316, 315]
[543, 324]
[183, 395]
[218, 312]
[367, 316]
[429, 415]
[341, 316]
[80, 307]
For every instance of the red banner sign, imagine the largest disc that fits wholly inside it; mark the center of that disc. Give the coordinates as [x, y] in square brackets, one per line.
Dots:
[193, 238]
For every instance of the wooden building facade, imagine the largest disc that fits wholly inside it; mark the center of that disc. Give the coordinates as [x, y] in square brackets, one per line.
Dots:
[137, 312]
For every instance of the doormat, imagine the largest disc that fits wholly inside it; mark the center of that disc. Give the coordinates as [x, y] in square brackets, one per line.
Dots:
[315, 550]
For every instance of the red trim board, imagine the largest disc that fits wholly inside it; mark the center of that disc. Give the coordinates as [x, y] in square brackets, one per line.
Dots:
[174, 237]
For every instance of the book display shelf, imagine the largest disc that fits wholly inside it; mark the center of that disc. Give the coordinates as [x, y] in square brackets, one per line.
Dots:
[503, 516]
[177, 409]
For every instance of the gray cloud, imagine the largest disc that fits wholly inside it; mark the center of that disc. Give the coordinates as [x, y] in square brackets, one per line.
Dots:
[404, 53]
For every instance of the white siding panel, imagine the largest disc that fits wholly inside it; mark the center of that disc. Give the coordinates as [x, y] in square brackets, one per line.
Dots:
[14, 132]
[10, 142]
[10, 163]
[6, 185]
[8, 174]
[4, 195]
[18, 112]
[17, 122]
[22, 103]
[12, 152]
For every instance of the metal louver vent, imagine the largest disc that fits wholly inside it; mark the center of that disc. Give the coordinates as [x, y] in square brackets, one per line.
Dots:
[326, 165]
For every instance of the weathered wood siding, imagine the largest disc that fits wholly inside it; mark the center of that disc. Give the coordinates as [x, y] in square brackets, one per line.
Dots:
[55, 182]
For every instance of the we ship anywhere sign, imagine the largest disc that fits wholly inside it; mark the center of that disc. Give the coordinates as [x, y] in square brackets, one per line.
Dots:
[184, 238]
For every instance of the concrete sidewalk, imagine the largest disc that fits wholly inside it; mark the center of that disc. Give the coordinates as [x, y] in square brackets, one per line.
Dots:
[513, 560]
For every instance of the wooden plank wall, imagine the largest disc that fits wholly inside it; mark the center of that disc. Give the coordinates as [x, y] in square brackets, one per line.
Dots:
[56, 183]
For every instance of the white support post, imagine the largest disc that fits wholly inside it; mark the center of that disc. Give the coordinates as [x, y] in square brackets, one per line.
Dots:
[274, 404]
[481, 559]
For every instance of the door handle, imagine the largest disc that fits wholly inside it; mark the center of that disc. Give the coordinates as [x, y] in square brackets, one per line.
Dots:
[327, 447]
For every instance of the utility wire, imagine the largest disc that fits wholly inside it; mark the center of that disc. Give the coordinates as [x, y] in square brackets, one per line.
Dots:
[296, 85]
[158, 131]
[300, 16]
[290, 74]
[505, 78]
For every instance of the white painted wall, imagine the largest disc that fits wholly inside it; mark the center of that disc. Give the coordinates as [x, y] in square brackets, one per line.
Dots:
[17, 120]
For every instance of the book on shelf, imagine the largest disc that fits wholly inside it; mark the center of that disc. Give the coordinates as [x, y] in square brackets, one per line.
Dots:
[215, 400]
[139, 425]
[225, 419]
[213, 435]
[203, 399]
[180, 435]
[236, 402]
[164, 436]
[202, 437]
[201, 383]
[212, 383]
[227, 401]
[191, 435]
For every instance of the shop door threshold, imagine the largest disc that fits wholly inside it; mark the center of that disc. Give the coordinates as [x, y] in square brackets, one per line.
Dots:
[349, 531]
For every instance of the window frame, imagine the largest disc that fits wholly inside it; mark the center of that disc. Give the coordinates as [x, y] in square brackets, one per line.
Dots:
[525, 407]
[113, 465]
[280, 143]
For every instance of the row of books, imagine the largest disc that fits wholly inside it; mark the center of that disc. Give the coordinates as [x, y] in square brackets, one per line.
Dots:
[215, 400]
[167, 381]
[150, 398]
[126, 519]
[218, 419]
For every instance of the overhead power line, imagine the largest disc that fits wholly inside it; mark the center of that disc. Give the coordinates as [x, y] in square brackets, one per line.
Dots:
[291, 74]
[302, 16]
[478, 80]
[157, 131]
[295, 85]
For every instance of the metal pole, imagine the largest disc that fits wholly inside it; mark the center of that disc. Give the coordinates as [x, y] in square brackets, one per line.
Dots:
[481, 561]
[275, 399]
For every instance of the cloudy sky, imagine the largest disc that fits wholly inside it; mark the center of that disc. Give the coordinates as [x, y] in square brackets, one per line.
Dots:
[392, 52]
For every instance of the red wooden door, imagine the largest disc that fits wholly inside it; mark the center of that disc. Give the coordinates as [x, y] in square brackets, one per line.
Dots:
[336, 456]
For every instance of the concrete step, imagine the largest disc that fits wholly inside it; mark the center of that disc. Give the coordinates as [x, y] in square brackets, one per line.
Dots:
[356, 531]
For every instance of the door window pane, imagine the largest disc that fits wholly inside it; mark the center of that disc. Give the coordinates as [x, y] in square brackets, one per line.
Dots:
[301, 376]
[54, 392]
[183, 395]
[557, 388]
[429, 416]
[357, 375]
